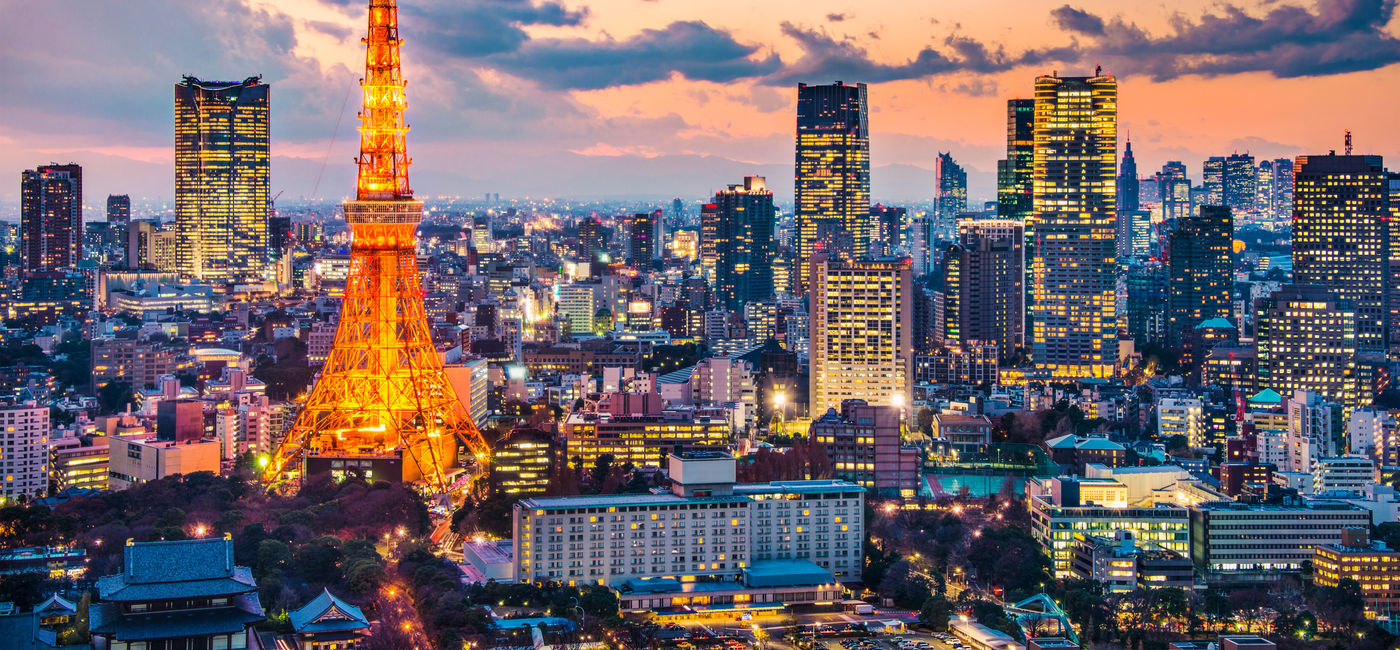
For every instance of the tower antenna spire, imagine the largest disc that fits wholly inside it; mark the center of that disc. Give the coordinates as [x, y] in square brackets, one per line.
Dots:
[383, 403]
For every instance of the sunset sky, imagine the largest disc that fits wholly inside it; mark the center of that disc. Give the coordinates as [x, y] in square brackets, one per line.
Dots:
[597, 98]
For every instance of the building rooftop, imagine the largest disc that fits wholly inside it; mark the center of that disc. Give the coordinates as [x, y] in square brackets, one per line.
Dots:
[786, 573]
[189, 568]
[326, 613]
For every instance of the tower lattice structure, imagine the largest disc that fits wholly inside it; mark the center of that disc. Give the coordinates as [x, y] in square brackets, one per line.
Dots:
[383, 393]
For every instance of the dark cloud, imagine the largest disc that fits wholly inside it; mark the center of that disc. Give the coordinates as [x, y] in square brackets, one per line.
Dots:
[827, 57]
[692, 49]
[837, 17]
[477, 28]
[1336, 36]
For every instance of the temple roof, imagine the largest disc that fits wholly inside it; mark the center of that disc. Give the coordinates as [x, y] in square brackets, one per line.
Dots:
[326, 613]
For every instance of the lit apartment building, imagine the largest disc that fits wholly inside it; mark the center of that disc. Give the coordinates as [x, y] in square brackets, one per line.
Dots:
[1340, 235]
[1057, 517]
[1306, 339]
[24, 451]
[78, 463]
[1350, 474]
[708, 541]
[986, 278]
[832, 189]
[1074, 224]
[1374, 566]
[139, 362]
[863, 444]
[1182, 417]
[522, 462]
[861, 333]
[1250, 541]
[634, 428]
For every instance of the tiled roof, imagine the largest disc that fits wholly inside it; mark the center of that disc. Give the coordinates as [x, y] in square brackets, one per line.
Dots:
[326, 613]
[177, 569]
[106, 619]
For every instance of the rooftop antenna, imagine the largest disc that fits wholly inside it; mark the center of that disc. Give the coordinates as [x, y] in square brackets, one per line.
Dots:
[1347, 147]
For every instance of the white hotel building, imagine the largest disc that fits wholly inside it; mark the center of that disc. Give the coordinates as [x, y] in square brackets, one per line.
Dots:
[707, 542]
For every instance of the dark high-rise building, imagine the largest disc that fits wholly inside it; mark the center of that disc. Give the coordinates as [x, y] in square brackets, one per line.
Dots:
[833, 173]
[1075, 263]
[1394, 256]
[1146, 282]
[951, 200]
[644, 242]
[590, 239]
[1128, 181]
[985, 287]
[279, 235]
[1014, 177]
[1230, 181]
[51, 217]
[894, 225]
[1201, 270]
[1306, 340]
[222, 178]
[118, 209]
[1175, 190]
[736, 243]
[1341, 234]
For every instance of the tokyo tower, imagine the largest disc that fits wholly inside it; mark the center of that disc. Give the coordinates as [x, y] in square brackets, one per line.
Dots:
[382, 405]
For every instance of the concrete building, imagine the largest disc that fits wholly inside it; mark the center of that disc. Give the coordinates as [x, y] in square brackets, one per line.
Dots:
[965, 434]
[861, 333]
[706, 542]
[24, 451]
[985, 284]
[1373, 565]
[863, 444]
[522, 462]
[138, 362]
[135, 461]
[1349, 474]
[1182, 417]
[1117, 562]
[634, 428]
[1241, 542]
[1315, 430]
[1306, 340]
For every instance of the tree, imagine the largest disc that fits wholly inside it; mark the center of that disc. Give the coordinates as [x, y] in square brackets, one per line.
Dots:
[115, 396]
[601, 468]
[935, 613]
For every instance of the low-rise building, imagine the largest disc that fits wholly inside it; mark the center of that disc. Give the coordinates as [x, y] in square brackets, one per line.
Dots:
[634, 428]
[863, 444]
[1057, 517]
[1373, 565]
[1234, 541]
[327, 623]
[136, 461]
[706, 542]
[1122, 566]
[966, 434]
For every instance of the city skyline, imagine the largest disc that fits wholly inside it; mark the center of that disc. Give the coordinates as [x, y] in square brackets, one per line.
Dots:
[507, 82]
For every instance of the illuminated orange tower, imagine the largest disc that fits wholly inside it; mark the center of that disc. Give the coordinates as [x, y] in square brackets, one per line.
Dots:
[382, 403]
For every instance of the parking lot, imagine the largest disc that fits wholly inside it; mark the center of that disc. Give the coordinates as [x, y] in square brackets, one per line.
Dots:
[891, 642]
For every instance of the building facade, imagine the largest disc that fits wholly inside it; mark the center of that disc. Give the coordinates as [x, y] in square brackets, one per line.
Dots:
[1074, 226]
[51, 217]
[861, 334]
[1305, 339]
[1201, 271]
[985, 290]
[222, 180]
[863, 444]
[833, 173]
[24, 451]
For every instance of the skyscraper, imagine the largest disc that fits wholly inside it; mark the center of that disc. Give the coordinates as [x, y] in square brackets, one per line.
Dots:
[951, 200]
[1230, 181]
[1074, 269]
[833, 172]
[986, 300]
[1306, 340]
[736, 244]
[590, 239]
[118, 209]
[643, 244]
[1014, 174]
[51, 217]
[861, 333]
[1146, 283]
[1175, 190]
[1201, 270]
[1128, 181]
[1341, 235]
[222, 178]
[1274, 189]
[893, 224]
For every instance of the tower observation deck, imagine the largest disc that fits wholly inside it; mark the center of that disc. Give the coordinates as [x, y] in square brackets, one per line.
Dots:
[382, 404]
